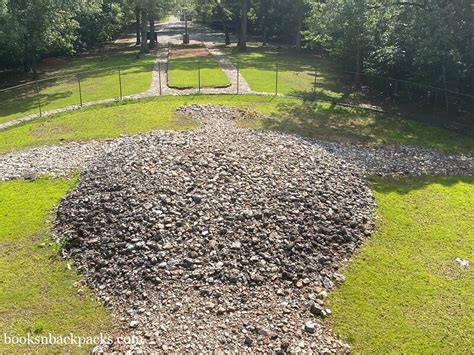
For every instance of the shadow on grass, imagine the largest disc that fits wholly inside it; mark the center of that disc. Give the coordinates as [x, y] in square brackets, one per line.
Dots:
[311, 119]
[405, 185]
[187, 74]
[327, 121]
[64, 90]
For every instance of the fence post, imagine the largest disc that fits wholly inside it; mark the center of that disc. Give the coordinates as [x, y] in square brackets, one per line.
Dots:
[276, 79]
[314, 84]
[238, 77]
[120, 83]
[80, 90]
[39, 99]
[159, 75]
[199, 76]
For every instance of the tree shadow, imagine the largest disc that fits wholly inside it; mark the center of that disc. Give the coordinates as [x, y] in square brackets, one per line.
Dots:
[24, 103]
[311, 119]
[186, 73]
[404, 185]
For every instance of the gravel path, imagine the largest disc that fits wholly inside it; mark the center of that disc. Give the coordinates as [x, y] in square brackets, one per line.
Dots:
[168, 33]
[171, 34]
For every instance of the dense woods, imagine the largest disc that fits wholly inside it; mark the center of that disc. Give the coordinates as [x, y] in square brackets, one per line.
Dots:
[427, 41]
[32, 29]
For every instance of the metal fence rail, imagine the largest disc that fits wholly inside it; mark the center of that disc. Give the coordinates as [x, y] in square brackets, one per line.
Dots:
[71, 89]
[304, 80]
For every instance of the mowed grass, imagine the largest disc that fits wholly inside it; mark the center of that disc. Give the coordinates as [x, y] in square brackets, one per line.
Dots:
[317, 120]
[101, 81]
[326, 121]
[38, 292]
[404, 291]
[298, 72]
[183, 73]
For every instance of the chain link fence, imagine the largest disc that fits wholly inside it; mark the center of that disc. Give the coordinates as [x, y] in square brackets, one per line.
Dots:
[75, 89]
[432, 104]
[425, 103]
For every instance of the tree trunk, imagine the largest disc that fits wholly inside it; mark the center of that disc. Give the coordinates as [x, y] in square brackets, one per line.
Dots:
[243, 26]
[299, 25]
[359, 65]
[152, 32]
[221, 15]
[226, 34]
[143, 30]
[137, 25]
[264, 34]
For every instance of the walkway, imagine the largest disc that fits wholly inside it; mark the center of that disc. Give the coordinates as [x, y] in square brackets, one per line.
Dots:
[169, 33]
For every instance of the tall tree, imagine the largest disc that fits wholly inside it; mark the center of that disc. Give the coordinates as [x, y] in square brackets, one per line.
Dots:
[156, 10]
[43, 25]
[138, 25]
[424, 41]
[143, 29]
[243, 25]
[299, 4]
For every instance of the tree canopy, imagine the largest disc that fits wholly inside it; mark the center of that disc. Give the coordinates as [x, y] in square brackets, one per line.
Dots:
[427, 41]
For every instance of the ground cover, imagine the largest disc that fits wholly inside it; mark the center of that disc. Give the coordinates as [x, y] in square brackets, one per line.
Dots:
[39, 295]
[184, 73]
[404, 291]
[99, 79]
[296, 72]
[317, 120]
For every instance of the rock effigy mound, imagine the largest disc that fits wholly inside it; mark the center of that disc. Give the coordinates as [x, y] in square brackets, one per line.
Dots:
[217, 238]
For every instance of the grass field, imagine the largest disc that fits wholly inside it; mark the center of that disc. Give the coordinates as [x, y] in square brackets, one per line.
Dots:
[404, 292]
[319, 120]
[101, 83]
[183, 73]
[296, 72]
[326, 121]
[38, 293]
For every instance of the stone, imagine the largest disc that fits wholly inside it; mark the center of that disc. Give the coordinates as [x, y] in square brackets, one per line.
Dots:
[310, 327]
[238, 232]
[462, 262]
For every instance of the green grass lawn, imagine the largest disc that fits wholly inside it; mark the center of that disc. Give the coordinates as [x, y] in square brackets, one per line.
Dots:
[404, 292]
[296, 72]
[38, 292]
[183, 73]
[318, 120]
[101, 83]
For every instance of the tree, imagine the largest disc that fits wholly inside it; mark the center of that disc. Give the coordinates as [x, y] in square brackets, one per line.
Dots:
[138, 25]
[143, 30]
[299, 4]
[425, 41]
[157, 9]
[224, 15]
[243, 25]
[42, 26]
[98, 21]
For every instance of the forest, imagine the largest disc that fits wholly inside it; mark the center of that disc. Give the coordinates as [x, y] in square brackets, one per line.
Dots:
[426, 41]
